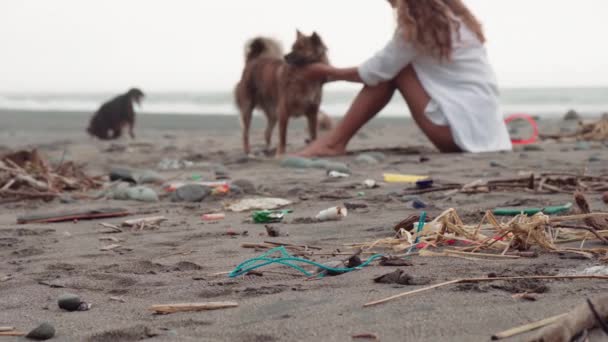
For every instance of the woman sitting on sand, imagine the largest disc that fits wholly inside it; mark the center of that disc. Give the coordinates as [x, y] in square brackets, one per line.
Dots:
[438, 62]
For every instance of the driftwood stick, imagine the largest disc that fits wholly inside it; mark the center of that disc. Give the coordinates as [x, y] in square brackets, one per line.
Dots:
[12, 333]
[526, 328]
[5, 329]
[574, 322]
[480, 280]
[594, 224]
[292, 245]
[191, 307]
[28, 194]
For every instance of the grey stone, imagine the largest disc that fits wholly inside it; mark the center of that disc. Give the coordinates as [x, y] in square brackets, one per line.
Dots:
[595, 158]
[247, 186]
[531, 148]
[148, 176]
[69, 302]
[142, 194]
[572, 115]
[190, 193]
[43, 332]
[582, 146]
[296, 163]
[366, 159]
[122, 174]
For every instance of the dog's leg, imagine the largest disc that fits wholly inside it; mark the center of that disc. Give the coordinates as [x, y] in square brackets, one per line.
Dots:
[283, 122]
[312, 125]
[131, 124]
[117, 132]
[246, 114]
[270, 125]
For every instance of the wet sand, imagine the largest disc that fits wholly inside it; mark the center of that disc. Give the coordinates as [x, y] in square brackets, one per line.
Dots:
[177, 263]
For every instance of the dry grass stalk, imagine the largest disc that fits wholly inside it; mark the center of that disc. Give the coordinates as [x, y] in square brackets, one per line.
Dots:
[520, 233]
[191, 307]
[27, 175]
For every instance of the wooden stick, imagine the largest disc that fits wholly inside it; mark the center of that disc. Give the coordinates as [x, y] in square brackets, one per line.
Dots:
[409, 293]
[580, 319]
[12, 333]
[292, 245]
[5, 329]
[191, 307]
[479, 280]
[499, 256]
[526, 328]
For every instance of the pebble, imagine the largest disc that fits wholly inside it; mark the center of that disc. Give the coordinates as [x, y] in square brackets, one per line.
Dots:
[296, 163]
[582, 146]
[148, 176]
[366, 159]
[69, 302]
[531, 148]
[494, 163]
[595, 159]
[605, 197]
[190, 193]
[122, 174]
[43, 332]
[572, 115]
[142, 194]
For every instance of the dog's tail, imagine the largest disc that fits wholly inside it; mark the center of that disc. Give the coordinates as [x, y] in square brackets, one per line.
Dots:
[262, 47]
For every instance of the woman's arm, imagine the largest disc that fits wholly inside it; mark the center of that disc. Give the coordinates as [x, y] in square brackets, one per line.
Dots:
[320, 71]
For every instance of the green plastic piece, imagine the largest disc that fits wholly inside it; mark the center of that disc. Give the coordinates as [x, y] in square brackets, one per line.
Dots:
[532, 211]
[269, 216]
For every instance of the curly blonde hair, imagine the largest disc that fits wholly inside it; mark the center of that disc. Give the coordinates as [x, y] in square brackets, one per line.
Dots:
[429, 24]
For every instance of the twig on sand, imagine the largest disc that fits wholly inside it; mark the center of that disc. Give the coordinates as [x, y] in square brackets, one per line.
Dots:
[526, 328]
[580, 319]
[12, 333]
[191, 307]
[480, 280]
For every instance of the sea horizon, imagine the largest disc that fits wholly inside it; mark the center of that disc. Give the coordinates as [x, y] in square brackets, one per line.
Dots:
[545, 101]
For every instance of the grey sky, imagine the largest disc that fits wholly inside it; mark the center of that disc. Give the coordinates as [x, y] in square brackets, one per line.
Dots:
[196, 45]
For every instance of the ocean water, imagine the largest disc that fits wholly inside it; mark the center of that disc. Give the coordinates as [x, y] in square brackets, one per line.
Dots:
[536, 101]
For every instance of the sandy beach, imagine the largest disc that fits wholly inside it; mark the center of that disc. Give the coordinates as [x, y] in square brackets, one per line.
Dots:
[185, 259]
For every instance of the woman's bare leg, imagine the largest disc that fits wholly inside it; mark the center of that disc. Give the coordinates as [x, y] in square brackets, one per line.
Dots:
[417, 100]
[369, 102]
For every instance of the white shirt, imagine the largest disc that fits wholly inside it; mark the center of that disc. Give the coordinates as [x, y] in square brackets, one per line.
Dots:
[463, 89]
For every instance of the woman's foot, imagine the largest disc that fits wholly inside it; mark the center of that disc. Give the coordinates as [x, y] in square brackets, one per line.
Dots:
[320, 148]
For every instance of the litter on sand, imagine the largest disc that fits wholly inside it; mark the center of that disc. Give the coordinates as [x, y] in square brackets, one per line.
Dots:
[259, 203]
[64, 216]
[398, 178]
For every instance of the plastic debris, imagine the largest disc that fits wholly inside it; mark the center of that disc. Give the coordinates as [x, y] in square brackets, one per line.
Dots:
[269, 216]
[398, 178]
[214, 217]
[332, 214]
[258, 203]
[337, 174]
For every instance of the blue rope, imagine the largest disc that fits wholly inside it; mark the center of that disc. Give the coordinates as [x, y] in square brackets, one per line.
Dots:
[290, 261]
[421, 223]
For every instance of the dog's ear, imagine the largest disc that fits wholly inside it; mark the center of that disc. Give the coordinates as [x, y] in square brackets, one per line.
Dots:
[316, 39]
[299, 34]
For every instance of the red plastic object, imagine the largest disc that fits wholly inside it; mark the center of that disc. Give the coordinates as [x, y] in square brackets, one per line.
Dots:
[532, 123]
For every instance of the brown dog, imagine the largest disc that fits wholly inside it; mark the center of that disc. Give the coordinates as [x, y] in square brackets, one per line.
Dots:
[112, 116]
[279, 87]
